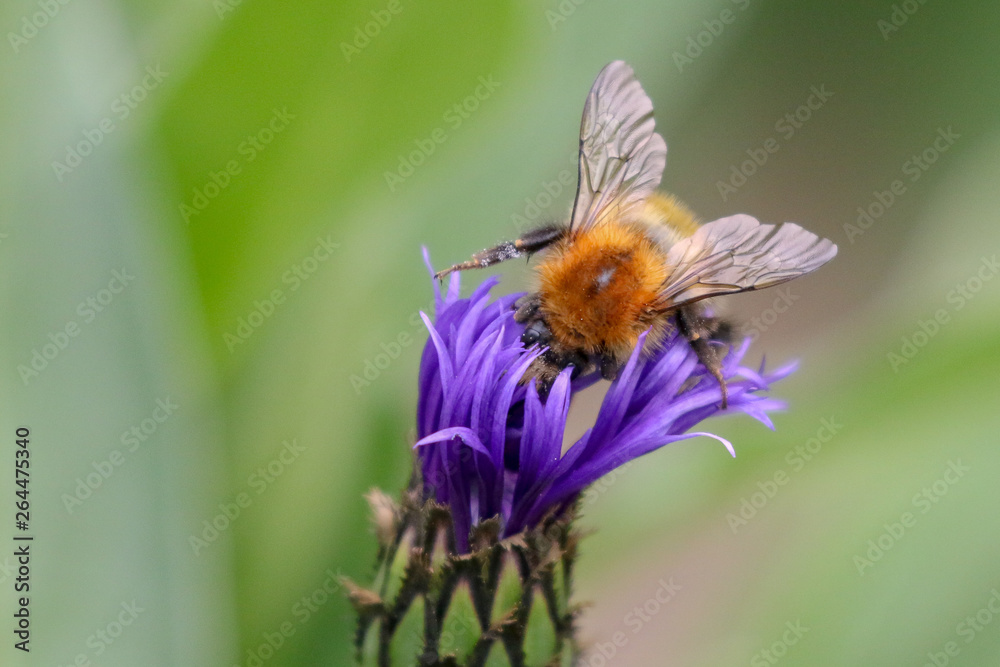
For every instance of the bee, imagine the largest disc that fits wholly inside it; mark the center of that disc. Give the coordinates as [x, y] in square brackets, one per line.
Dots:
[631, 259]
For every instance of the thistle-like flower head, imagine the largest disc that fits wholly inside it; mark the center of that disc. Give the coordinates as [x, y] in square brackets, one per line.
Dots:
[490, 446]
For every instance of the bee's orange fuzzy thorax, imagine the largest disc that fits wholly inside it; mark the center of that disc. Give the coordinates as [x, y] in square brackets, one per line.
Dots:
[598, 288]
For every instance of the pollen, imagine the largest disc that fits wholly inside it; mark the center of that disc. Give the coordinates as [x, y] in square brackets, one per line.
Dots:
[598, 288]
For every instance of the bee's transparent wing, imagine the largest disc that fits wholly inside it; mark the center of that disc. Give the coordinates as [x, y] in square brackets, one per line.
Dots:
[621, 156]
[738, 254]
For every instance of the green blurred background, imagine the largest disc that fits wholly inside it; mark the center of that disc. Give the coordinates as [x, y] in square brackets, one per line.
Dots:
[255, 314]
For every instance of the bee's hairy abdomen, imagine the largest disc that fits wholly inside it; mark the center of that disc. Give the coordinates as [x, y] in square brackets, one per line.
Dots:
[667, 218]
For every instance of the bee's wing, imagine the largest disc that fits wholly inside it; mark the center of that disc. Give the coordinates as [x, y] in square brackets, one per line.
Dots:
[621, 156]
[738, 254]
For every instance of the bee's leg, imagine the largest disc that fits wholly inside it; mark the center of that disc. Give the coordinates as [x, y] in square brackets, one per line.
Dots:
[526, 312]
[609, 367]
[533, 241]
[700, 332]
[543, 372]
[548, 367]
[526, 308]
[578, 361]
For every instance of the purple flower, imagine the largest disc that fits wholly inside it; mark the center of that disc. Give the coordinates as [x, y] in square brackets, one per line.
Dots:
[490, 446]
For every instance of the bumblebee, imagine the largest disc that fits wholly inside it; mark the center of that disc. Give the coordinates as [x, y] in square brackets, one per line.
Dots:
[631, 259]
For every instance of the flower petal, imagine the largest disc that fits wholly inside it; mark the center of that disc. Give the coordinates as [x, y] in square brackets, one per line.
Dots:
[465, 435]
